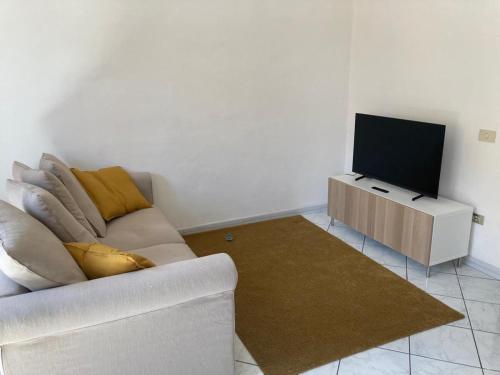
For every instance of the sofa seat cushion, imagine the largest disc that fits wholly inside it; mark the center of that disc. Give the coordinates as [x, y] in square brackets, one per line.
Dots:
[9, 287]
[140, 229]
[166, 253]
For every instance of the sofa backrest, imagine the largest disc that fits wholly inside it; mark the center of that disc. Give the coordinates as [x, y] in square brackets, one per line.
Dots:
[144, 183]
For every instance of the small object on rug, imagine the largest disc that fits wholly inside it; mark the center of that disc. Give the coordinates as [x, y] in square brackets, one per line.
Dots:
[229, 236]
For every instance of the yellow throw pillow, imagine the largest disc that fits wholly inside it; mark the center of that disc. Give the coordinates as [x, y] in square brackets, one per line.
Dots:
[97, 260]
[112, 190]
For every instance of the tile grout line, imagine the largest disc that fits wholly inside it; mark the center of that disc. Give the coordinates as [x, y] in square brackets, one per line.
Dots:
[247, 363]
[455, 297]
[468, 317]
[442, 360]
[434, 359]
[470, 329]
[391, 350]
[338, 367]
[433, 271]
[409, 337]
[475, 300]
[482, 330]
[464, 299]
[478, 277]
[443, 273]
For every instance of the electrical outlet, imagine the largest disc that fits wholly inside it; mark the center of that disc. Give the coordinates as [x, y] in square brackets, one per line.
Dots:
[487, 135]
[478, 219]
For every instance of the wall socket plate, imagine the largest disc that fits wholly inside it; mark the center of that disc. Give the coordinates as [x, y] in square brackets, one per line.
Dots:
[478, 219]
[486, 135]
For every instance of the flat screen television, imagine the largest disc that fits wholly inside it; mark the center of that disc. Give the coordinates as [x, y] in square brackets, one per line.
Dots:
[401, 152]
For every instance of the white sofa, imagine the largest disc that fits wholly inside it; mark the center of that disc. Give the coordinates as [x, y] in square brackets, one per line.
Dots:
[176, 318]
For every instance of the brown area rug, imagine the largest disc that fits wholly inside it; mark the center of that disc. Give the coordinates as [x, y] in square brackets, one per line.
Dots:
[305, 298]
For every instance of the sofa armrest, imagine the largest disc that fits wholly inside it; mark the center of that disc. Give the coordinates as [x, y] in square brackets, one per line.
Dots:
[144, 182]
[71, 307]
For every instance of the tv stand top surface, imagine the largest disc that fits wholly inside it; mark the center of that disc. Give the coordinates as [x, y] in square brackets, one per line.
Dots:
[402, 196]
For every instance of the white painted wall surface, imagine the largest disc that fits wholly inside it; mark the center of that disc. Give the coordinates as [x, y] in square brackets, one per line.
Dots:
[437, 61]
[237, 106]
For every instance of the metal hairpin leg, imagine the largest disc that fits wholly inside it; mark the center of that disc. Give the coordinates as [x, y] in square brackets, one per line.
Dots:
[332, 223]
[459, 262]
[428, 274]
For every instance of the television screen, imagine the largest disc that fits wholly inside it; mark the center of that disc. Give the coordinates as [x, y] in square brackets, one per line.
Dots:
[401, 152]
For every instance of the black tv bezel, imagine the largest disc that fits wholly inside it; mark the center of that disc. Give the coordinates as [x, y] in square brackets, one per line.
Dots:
[370, 175]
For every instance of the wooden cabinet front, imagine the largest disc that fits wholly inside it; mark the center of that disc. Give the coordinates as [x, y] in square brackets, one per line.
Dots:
[402, 228]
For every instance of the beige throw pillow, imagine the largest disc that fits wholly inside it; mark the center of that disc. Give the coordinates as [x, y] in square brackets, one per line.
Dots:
[47, 209]
[31, 255]
[53, 165]
[53, 185]
[18, 169]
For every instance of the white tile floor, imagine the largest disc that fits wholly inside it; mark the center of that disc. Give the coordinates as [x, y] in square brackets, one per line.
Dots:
[467, 347]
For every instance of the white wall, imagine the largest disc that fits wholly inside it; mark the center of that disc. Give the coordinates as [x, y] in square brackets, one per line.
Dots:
[437, 61]
[237, 106]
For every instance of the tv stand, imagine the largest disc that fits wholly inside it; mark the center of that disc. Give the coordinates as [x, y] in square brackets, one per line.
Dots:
[429, 231]
[417, 197]
[360, 177]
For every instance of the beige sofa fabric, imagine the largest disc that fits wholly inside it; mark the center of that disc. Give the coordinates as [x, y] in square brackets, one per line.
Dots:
[53, 165]
[31, 255]
[47, 209]
[172, 319]
[53, 185]
[10, 288]
[17, 170]
[140, 229]
[72, 307]
[195, 338]
[166, 253]
[144, 183]
[176, 318]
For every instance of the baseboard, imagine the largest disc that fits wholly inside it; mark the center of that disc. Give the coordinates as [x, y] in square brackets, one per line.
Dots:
[483, 267]
[252, 219]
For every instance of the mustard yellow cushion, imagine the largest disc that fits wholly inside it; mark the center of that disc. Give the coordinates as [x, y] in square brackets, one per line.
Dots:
[97, 260]
[112, 190]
